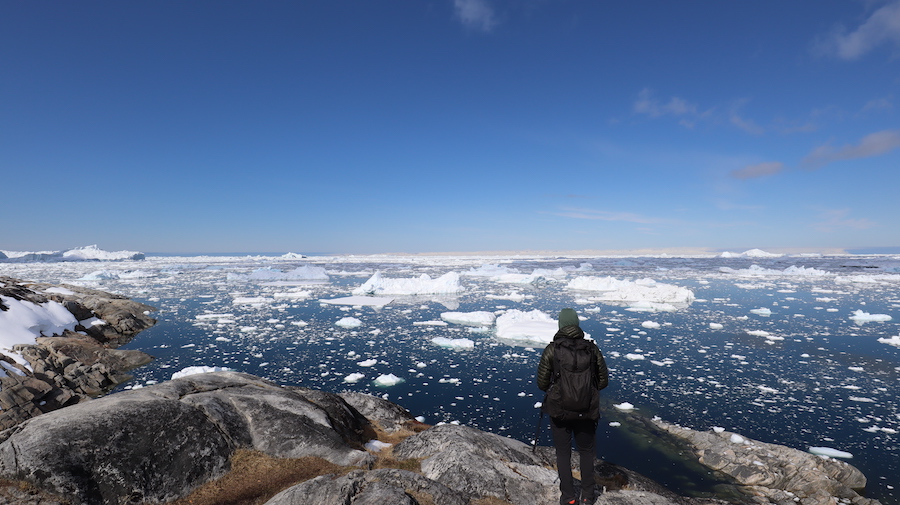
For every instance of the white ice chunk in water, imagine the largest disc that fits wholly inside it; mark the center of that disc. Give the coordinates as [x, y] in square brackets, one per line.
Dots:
[763, 311]
[354, 377]
[348, 322]
[364, 301]
[864, 317]
[454, 343]
[641, 295]
[422, 285]
[894, 341]
[831, 453]
[368, 362]
[388, 380]
[624, 406]
[479, 318]
[650, 325]
[533, 326]
[194, 370]
[716, 326]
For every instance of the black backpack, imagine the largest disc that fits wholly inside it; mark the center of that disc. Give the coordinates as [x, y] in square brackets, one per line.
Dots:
[573, 392]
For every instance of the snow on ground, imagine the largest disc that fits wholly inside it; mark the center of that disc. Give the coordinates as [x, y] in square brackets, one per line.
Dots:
[24, 321]
[422, 285]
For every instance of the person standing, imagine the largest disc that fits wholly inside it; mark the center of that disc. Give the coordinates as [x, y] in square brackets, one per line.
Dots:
[572, 371]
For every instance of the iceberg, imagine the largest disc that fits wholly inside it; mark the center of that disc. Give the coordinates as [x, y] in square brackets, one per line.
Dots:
[831, 453]
[894, 341]
[864, 317]
[88, 253]
[641, 295]
[348, 322]
[422, 285]
[533, 326]
[306, 273]
[388, 380]
[454, 343]
[353, 377]
[362, 301]
[194, 370]
[479, 318]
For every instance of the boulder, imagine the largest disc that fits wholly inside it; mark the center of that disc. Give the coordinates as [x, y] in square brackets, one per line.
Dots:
[388, 416]
[157, 443]
[773, 473]
[376, 487]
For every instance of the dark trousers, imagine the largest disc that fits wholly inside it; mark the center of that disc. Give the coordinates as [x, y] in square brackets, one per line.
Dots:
[584, 433]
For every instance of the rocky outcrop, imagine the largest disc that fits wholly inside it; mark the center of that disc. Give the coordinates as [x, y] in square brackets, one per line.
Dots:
[72, 366]
[770, 473]
[157, 443]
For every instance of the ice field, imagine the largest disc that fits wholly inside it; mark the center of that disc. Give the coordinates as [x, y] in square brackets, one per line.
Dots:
[796, 350]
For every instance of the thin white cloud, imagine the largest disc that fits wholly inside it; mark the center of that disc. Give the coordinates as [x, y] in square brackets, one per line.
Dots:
[603, 215]
[475, 14]
[883, 26]
[875, 144]
[651, 106]
[879, 104]
[758, 170]
[836, 219]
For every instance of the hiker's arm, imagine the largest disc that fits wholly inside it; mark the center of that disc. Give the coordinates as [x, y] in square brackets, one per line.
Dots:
[545, 369]
[602, 371]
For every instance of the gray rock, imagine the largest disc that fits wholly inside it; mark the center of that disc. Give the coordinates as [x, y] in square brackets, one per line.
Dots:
[774, 472]
[480, 464]
[376, 487]
[157, 443]
[388, 416]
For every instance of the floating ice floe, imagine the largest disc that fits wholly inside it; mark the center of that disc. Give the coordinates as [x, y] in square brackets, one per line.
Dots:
[479, 318]
[305, 274]
[348, 322]
[864, 317]
[716, 326]
[292, 295]
[650, 325]
[634, 357]
[538, 275]
[533, 326]
[354, 377]
[761, 311]
[752, 253]
[831, 453]
[791, 271]
[643, 295]
[422, 285]
[363, 301]
[368, 362]
[490, 271]
[252, 300]
[99, 275]
[454, 343]
[624, 406]
[894, 341]
[194, 370]
[388, 380]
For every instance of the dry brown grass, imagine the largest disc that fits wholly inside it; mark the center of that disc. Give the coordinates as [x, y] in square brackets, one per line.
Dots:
[256, 477]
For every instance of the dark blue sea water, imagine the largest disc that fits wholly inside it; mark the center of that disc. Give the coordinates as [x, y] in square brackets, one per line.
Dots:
[814, 378]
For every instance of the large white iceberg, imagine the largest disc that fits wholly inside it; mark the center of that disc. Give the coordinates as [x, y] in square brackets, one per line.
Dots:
[422, 285]
[864, 317]
[478, 318]
[640, 295]
[88, 253]
[534, 326]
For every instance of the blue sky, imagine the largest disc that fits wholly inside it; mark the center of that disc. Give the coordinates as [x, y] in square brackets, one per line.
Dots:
[449, 125]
